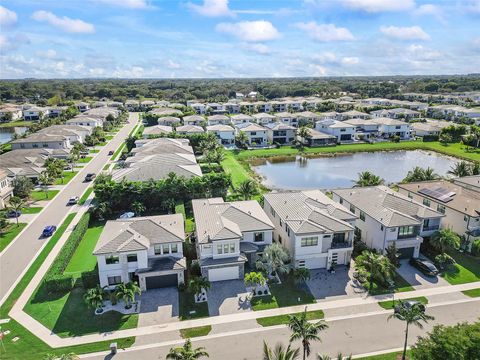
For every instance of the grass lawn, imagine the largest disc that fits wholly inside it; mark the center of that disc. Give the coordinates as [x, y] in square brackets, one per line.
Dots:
[189, 223]
[10, 233]
[387, 305]
[67, 176]
[286, 294]
[85, 195]
[16, 124]
[39, 195]
[195, 331]
[388, 356]
[106, 167]
[82, 259]
[118, 151]
[187, 304]
[109, 137]
[32, 210]
[235, 169]
[86, 159]
[283, 319]
[94, 151]
[472, 293]
[467, 269]
[401, 285]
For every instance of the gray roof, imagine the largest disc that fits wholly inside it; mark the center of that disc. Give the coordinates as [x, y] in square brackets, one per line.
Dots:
[388, 121]
[247, 127]
[165, 111]
[162, 146]
[135, 234]
[190, 129]
[315, 134]
[40, 137]
[223, 261]
[279, 126]
[310, 211]
[218, 220]
[164, 264]
[157, 130]
[169, 120]
[387, 206]
[220, 127]
[65, 130]
[193, 118]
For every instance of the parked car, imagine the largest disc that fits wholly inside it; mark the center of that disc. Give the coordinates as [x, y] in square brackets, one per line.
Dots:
[127, 215]
[49, 230]
[425, 266]
[67, 167]
[73, 200]
[90, 177]
[110, 153]
[14, 214]
[409, 304]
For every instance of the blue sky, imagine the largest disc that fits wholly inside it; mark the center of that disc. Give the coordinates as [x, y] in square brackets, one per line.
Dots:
[221, 38]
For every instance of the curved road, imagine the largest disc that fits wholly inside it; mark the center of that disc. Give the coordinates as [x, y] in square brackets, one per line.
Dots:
[17, 257]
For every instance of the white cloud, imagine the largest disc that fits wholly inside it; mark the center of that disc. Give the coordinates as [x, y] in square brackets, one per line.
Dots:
[251, 31]
[13, 42]
[420, 53]
[329, 58]
[47, 54]
[350, 60]
[376, 6]
[65, 23]
[172, 64]
[405, 33]
[212, 8]
[256, 47]
[7, 17]
[473, 6]
[429, 10]
[129, 4]
[325, 32]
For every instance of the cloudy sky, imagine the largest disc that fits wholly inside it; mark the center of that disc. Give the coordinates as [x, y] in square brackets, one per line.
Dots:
[243, 38]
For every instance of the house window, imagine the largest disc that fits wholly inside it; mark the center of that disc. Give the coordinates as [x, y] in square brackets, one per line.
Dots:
[174, 248]
[226, 248]
[410, 195]
[258, 237]
[166, 249]
[426, 202]
[398, 127]
[281, 223]
[114, 280]
[426, 223]
[362, 215]
[339, 237]
[406, 231]
[381, 227]
[232, 247]
[132, 258]
[220, 249]
[309, 241]
[253, 133]
[352, 208]
[112, 260]
[157, 249]
[441, 209]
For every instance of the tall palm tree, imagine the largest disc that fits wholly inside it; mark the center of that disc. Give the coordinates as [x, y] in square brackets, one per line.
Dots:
[197, 284]
[444, 240]
[16, 204]
[247, 189]
[303, 133]
[414, 314]
[187, 352]
[274, 260]
[242, 140]
[94, 297]
[460, 169]
[305, 331]
[366, 178]
[420, 174]
[280, 352]
[377, 267]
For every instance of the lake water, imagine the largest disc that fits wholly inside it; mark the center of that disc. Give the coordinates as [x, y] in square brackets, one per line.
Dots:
[6, 134]
[340, 171]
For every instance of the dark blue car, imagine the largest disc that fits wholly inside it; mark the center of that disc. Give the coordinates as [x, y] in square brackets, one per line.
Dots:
[49, 230]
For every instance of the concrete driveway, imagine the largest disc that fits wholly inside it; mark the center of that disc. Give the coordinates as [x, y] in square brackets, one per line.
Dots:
[159, 306]
[417, 279]
[227, 297]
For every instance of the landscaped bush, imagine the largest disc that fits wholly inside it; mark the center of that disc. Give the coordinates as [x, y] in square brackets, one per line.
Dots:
[59, 283]
[90, 278]
[476, 248]
[430, 138]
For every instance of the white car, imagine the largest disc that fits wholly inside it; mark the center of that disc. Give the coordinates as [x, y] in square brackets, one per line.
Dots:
[127, 215]
[73, 200]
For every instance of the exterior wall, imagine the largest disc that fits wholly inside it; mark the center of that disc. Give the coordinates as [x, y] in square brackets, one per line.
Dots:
[42, 145]
[283, 139]
[394, 129]
[123, 268]
[250, 237]
[224, 137]
[241, 269]
[260, 137]
[89, 123]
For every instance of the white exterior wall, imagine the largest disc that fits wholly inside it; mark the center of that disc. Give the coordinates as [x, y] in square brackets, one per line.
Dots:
[392, 129]
[267, 237]
[42, 145]
[122, 268]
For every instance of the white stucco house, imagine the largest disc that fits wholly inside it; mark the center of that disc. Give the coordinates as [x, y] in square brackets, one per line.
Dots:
[279, 133]
[193, 120]
[35, 113]
[391, 127]
[257, 135]
[219, 119]
[224, 133]
[241, 119]
[343, 131]
[287, 118]
[264, 118]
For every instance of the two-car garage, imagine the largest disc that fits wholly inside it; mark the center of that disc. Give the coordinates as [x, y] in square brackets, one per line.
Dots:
[161, 281]
[223, 273]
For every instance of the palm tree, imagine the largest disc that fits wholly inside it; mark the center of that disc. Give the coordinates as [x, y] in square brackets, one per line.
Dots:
[94, 297]
[254, 279]
[444, 240]
[280, 352]
[247, 189]
[242, 140]
[366, 178]
[187, 352]
[127, 293]
[339, 357]
[305, 331]
[377, 267]
[460, 169]
[45, 180]
[274, 260]
[411, 315]
[301, 275]
[420, 174]
[16, 204]
[197, 284]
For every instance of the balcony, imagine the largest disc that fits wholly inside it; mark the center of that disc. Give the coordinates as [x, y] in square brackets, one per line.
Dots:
[431, 228]
[341, 245]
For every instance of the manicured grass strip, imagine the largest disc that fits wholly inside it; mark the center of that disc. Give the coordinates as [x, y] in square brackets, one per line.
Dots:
[195, 331]
[32, 210]
[389, 304]
[94, 151]
[472, 293]
[388, 356]
[467, 269]
[109, 137]
[10, 233]
[189, 224]
[39, 195]
[67, 176]
[186, 303]
[118, 151]
[106, 167]
[283, 319]
[235, 169]
[85, 195]
[16, 124]
[401, 285]
[86, 159]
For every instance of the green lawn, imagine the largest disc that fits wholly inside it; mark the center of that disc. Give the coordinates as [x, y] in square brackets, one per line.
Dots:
[189, 223]
[39, 195]
[106, 167]
[67, 176]
[16, 124]
[109, 137]
[82, 259]
[10, 233]
[389, 304]
[401, 285]
[235, 169]
[32, 210]
[283, 319]
[467, 269]
[195, 331]
[186, 303]
[85, 195]
[118, 151]
[472, 293]
[86, 159]
[388, 356]
[94, 151]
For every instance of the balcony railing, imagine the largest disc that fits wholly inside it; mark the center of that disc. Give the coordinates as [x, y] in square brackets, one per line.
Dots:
[431, 228]
[341, 245]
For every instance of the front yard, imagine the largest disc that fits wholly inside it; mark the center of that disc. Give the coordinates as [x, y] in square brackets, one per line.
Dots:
[10, 233]
[40, 195]
[401, 285]
[67, 176]
[188, 309]
[467, 269]
[390, 304]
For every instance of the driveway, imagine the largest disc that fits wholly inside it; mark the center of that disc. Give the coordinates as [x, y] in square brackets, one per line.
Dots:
[324, 285]
[159, 306]
[417, 279]
[227, 297]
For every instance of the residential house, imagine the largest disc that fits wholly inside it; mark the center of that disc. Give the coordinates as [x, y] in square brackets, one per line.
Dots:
[162, 111]
[364, 129]
[279, 133]
[469, 182]
[82, 106]
[315, 230]
[56, 111]
[215, 108]
[279, 106]
[241, 119]
[390, 127]
[330, 115]
[317, 138]
[263, 107]
[247, 107]
[132, 105]
[199, 108]
[353, 114]
[232, 107]
[6, 189]
[10, 112]
[28, 162]
[169, 121]
[196, 120]
[387, 217]
[224, 133]
[307, 117]
[155, 131]
[189, 130]
[74, 133]
[86, 120]
[148, 250]
[341, 130]
[264, 118]
[425, 129]
[228, 235]
[287, 118]
[219, 119]
[257, 135]
[34, 113]
[42, 140]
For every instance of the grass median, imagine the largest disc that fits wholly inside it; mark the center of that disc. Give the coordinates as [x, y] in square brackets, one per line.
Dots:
[390, 304]
[195, 331]
[283, 319]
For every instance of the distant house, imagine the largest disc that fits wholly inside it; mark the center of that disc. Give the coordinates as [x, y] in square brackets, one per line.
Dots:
[163, 111]
[82, 106]
[216, 108]
[169, 121]
[397, 113]
[341, 130]
[307, 117]
[56, 111]
[29, 162]
[279, 133]
[390, 127]
[200, 109]
[9, 111]
[85, 120]
[35, 113]
[74, 133]
[157, 130]
[193, 120]
[218, 119]
[232, 107]
[148, 250]
[364, 128]
[288, 118]
[6, 189]
[264, 118]
[425, 129]
[42, 140]
[257, 135]
[263, 107]
[241, 118]
[224, 133]
[189, 129]
[317, 138]
[353, 114]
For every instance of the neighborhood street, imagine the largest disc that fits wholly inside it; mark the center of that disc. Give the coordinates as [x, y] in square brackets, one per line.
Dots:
[17, 257]
[350, 335]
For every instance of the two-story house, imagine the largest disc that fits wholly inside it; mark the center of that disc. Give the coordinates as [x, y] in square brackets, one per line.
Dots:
[364, 128]
[193, 120]
[224, 133]
[219, 119]
[314, 229]
[288, 118]
[341, 130]
[279, 133]
[387, 217]
[228, 235]
[144, 249]
[6, 189]
[241, 119]
[390, 127]
[264, 118]
[256, 134]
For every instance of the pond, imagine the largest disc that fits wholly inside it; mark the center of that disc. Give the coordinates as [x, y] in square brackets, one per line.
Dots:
[342, 170]
[6, 134]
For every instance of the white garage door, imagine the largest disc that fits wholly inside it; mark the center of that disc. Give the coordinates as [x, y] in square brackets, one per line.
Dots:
[316, 263]
[228, 273]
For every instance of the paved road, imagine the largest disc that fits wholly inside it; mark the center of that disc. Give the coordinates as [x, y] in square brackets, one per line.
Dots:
[16, 258]
[358, 335]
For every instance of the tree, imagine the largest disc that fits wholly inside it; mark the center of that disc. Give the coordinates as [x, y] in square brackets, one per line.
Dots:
[247, 189]
[445, 239]
[55, 168]
[305, 331]
[22, 186]
[461, 169]
[303, 133]
[94, 297]
[16, 204]
[412, 315]
[197, 284]
[366, 178]
[274, 260]
[69, 356]
[375, 267]
[45, 180]
[4, 223]
[138, 207]
[339, 357]
[301, 275]
[254, 279]
[393, 255]
[187, 352]
[420, 174]
[127, 293]
[242, 140]
[280, 352]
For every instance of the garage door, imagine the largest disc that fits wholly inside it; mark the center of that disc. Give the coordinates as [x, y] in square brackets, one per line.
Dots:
[316, 263]
[228, 273]
[406, 253]
[345, 137]
[154, 282]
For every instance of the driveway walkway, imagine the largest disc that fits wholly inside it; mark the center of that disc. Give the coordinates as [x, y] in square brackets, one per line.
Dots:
[417, 279]
[227, 297]
[158, 306]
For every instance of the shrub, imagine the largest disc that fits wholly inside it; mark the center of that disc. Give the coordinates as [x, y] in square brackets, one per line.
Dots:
[90, 279]
[443, 260]
[59, 283]
[429, 138]
[476, 248]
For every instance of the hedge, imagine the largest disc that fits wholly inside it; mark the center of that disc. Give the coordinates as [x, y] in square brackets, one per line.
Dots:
[59, 283]
[90, 279]
[476, 247]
